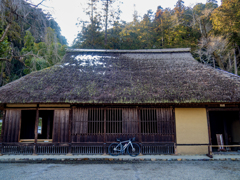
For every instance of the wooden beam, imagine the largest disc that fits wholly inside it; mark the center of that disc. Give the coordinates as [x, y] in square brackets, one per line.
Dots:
[27, 108]
[223, 109]
[225, 145]
[21, 105]
[18, 108]
[192, 144]
[33, 140]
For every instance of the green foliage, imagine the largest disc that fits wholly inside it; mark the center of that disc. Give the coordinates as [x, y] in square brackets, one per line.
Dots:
[226, 20]
[43, 54]
[4, 46]
[33, 40]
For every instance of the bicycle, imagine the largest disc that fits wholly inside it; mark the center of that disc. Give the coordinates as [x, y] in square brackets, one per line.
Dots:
[133, 149]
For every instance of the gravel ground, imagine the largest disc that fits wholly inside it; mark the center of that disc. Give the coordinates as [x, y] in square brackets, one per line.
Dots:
[124, 170]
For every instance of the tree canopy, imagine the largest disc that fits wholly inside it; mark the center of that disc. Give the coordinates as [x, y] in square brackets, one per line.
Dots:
[212, 32]
[29, 39]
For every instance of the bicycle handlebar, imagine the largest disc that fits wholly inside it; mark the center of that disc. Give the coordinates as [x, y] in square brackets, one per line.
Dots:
[130, 139]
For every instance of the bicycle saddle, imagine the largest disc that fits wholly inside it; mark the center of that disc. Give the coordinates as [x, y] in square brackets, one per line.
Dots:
[119, 139]
[133, 139]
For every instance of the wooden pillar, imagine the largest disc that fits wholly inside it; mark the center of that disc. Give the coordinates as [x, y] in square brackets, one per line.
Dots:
[36, 131]
[48, 127]
[139, 125]
[209, 136]
[175, 138]
[105, 124]
[70, 132]
[19, 127]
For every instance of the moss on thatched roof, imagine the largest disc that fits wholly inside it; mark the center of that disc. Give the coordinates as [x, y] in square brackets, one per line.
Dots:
[116, 76]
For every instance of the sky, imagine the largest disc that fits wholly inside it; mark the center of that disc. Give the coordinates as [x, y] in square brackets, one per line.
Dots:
[68, 12]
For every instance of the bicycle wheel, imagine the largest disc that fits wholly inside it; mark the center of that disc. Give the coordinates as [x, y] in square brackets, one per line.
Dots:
[133, 150]
[114, 149]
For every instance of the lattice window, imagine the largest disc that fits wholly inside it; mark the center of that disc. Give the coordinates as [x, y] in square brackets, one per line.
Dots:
[113, 121]
[148, 121]
[96, 121]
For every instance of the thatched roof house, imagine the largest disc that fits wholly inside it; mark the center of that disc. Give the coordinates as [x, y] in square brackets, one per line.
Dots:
[94, 96]
[130, 76]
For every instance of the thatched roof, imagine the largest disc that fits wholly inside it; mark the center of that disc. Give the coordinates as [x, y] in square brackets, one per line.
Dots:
[125, 76]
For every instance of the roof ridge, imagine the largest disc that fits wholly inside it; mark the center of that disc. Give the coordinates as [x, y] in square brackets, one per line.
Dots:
[174, 50]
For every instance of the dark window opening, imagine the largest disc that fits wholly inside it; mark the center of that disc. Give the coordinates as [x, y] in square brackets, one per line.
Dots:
[148, 121]
[225, 124]
[44, 128]
[27, 124]
[45, 124]
[114, 121]
[96, 121]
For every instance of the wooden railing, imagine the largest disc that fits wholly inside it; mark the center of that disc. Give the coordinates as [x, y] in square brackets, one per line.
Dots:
[80, 148]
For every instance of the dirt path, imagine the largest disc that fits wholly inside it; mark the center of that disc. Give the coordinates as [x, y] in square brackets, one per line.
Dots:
[137, 170]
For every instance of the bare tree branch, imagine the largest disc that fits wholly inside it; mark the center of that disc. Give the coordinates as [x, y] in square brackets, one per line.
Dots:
[4, 59]
[39, 3]
[19, 58]
[5, 32]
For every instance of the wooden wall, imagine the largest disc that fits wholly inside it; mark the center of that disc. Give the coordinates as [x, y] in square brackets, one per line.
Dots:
[61, 126]
[102, 125]
[11, 126]
[145, 124]
[79, 124]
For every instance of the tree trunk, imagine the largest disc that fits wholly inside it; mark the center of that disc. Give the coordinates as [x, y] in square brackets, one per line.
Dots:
[106, 23]
[235, 62]
[92, 22]
[229, 62]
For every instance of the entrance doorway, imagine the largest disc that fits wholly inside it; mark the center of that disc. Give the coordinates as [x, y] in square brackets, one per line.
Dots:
[225, 129]
[44, 128]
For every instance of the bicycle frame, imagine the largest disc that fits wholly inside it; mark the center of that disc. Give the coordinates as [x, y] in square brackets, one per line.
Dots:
[123, 147]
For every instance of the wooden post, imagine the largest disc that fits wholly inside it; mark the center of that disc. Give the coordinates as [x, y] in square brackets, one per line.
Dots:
[139, 129]
[48, 127]
[209, 136]
[36, 131]
[175, 137]
[139, 125]
[20, 125]
[70, 132]
[105, 124]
